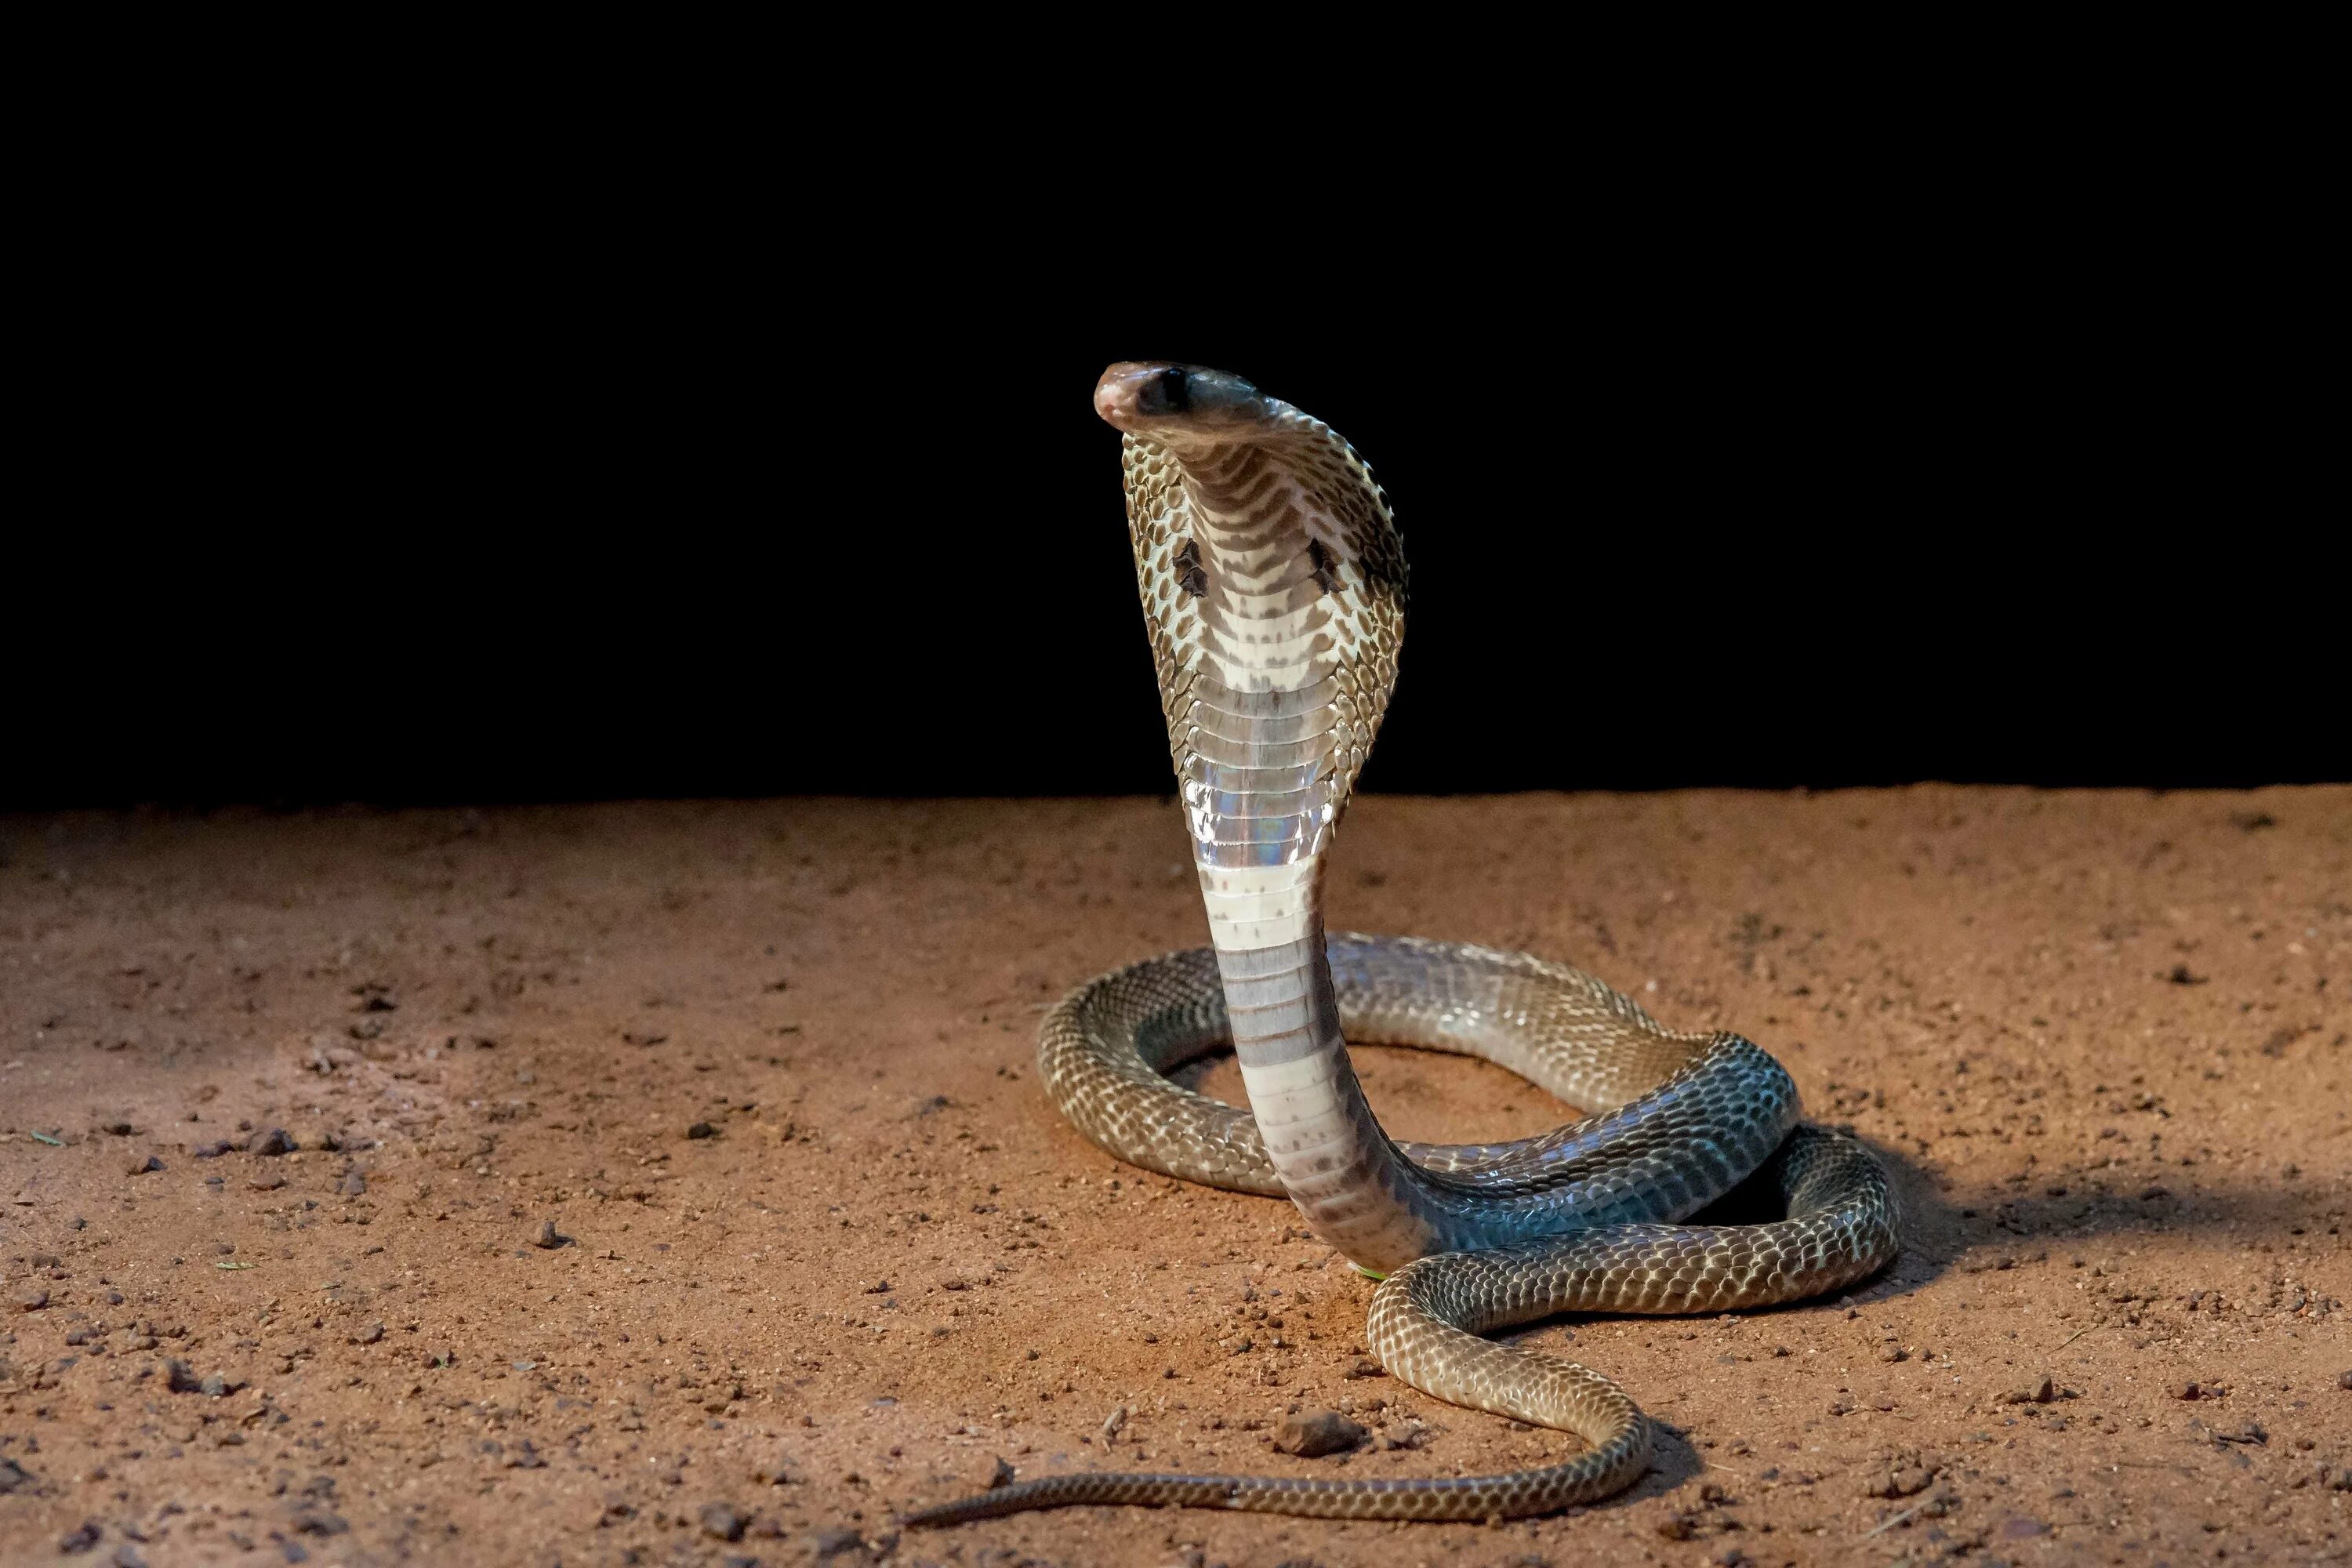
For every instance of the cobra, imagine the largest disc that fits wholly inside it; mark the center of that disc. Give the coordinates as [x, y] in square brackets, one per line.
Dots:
[1273, 583]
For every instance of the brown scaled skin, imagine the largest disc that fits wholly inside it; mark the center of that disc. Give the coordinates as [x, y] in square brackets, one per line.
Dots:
[1272, 582]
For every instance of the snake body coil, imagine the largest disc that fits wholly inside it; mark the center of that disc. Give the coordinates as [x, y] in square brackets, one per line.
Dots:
[1273, 583]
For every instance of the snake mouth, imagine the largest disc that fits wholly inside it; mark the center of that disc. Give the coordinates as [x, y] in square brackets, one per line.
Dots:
[1160, 398]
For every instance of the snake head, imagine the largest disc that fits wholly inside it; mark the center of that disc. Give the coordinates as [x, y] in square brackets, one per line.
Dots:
[1164, 401]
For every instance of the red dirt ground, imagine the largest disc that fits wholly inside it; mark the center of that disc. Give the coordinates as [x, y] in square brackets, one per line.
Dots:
[824, 1252]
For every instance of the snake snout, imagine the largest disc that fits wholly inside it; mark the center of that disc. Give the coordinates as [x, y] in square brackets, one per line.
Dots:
[1157, 397]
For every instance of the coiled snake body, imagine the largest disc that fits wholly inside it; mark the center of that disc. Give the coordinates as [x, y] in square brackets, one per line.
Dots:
[1272, 583]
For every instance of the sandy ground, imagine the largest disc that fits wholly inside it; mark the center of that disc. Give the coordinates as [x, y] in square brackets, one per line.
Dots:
[821, 1252]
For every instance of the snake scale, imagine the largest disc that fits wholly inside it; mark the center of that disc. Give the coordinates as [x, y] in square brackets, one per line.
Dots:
[1272, 583]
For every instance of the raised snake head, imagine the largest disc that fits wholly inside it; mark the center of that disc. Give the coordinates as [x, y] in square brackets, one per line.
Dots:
[1184, 404]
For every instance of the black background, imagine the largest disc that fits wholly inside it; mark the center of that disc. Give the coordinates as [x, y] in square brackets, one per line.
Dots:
[543, 537]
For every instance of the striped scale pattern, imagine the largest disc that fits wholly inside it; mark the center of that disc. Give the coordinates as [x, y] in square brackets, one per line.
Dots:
[1273, 586]
[1269, 569]
[1427, 1319]
[1709, 1107]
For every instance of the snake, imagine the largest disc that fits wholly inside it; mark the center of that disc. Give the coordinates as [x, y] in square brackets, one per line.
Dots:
[1273, 581]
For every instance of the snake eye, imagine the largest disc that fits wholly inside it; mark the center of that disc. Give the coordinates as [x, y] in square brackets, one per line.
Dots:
[1170, 392]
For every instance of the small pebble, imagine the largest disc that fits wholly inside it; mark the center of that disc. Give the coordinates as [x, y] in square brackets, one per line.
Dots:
[276, 1141]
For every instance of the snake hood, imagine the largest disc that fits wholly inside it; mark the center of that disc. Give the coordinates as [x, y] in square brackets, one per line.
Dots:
[1273, 584]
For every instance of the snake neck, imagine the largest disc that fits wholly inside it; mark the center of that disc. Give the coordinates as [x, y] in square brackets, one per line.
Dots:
[1273, 583]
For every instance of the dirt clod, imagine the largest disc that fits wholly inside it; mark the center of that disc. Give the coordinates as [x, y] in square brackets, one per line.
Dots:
[1316, 1433]
[180, 1378]
[1904, 1481]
